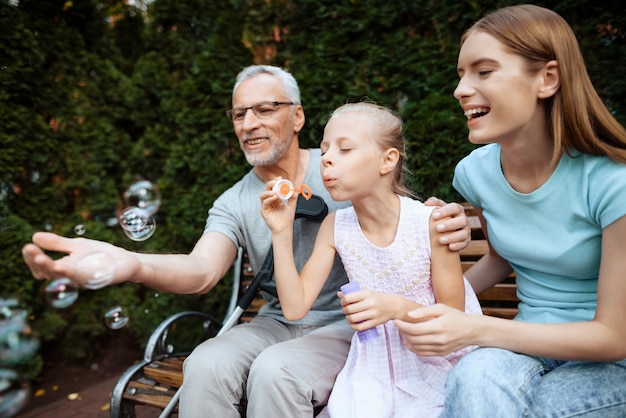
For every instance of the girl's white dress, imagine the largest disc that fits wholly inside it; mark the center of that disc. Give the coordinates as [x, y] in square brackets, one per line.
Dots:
[381, 377]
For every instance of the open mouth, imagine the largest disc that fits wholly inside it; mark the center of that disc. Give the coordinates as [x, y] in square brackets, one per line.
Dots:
[476, 112]
[255, 141]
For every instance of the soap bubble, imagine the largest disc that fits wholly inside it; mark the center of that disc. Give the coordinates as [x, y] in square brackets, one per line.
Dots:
[13, 395]
[95, 270]
[143, 233]
[145, 195]
[16, 345]
[133, 218]
[116, 317]
[137, 223]
[16, 342]
[61, 293]
[80, 229]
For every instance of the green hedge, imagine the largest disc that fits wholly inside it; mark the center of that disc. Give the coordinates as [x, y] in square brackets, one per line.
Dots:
[96, 94]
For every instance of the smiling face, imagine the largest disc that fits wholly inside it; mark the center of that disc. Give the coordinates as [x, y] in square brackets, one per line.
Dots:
[265, 140]
[498, 94]
[350, 156]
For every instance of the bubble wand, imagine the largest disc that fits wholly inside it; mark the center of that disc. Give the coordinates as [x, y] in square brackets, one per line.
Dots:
[285, 189]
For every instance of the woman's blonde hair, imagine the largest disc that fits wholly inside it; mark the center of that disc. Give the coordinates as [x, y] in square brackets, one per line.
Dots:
[390, 134]
[579, 118]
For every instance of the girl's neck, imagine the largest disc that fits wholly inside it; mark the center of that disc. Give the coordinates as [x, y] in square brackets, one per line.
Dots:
[379, 218]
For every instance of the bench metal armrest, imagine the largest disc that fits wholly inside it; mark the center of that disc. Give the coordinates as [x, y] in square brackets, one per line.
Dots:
[157, 343]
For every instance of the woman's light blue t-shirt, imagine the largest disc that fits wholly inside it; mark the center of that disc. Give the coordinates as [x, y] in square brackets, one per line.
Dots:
[552, 237]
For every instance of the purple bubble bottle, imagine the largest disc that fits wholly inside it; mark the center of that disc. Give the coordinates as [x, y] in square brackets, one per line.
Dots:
[367, 334]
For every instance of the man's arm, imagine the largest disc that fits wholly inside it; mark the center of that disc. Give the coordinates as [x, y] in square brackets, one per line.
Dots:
[197, 272]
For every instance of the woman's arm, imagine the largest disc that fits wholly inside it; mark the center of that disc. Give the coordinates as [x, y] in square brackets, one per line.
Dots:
[442, 330]
[491, 268]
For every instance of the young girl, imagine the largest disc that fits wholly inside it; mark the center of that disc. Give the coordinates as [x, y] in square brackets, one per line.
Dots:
[385, 243]
[551, 184]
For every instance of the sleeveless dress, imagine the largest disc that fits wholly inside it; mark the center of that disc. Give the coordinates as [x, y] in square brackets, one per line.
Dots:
[382, 378]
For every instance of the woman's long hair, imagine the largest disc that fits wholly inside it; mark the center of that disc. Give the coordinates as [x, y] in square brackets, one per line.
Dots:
[578, 117]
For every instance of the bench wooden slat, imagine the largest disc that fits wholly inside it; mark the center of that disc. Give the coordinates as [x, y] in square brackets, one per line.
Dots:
[475, 250]
[166, 372]
[149, 394]
[500, 312]
[504, 292]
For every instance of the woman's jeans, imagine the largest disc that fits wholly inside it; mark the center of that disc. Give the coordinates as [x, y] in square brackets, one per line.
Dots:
[492, 382]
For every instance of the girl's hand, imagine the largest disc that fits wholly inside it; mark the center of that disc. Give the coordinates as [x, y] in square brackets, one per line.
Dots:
[366, 309]
[278, 214]
[437, 330]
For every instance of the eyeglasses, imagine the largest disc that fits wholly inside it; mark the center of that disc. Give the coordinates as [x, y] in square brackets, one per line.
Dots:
[262, 110]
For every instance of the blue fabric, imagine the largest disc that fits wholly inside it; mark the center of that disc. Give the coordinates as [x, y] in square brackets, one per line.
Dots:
[492, 382]
[551, 237]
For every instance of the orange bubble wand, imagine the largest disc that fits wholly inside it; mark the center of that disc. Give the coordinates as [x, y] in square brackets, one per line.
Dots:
[285, 189]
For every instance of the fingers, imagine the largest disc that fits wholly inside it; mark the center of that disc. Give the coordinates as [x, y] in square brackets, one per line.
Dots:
[434, 201]
[453, 226]
[456, 240]
[41, 265]
[451, 210]
[30, 253]
[53, 242]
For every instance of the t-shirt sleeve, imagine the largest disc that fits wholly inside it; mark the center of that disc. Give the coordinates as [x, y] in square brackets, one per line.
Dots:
[464, 179]
[606, 190]
[223, 218]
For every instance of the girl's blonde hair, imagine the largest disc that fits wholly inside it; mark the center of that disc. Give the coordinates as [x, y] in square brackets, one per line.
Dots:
[579, 118]
[390, 134]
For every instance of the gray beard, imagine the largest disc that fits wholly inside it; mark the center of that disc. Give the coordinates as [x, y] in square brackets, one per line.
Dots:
[257, 159]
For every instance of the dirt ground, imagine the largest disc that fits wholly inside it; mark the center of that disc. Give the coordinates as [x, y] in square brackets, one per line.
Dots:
[61, 377]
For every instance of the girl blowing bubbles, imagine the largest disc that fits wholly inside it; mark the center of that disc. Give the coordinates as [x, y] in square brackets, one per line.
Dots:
[387, 244]
[550, 182]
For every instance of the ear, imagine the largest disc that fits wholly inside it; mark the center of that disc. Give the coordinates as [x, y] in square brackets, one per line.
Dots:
[299, 118]
[550, 80]
[389, 161]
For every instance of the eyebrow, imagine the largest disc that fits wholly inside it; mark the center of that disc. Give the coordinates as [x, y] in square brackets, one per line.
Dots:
[478, 62]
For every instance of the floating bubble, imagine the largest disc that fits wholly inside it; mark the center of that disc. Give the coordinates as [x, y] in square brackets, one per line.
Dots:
[80, 229]
[95, 270]
[133, 218]
[13, 394]
[16, 343]
[145, 195]
[61, 293]
[137, 224]
[116, 317]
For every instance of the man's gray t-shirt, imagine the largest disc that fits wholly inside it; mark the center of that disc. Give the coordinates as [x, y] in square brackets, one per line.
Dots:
[237, 215]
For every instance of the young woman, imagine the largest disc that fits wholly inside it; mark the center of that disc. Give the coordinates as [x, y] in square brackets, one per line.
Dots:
[550, 182]
[386, 244]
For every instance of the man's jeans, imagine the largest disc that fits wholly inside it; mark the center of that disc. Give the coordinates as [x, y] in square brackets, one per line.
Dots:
[492, 382]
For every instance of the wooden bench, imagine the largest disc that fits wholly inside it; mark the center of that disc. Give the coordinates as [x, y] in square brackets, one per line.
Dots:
[154, 380]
